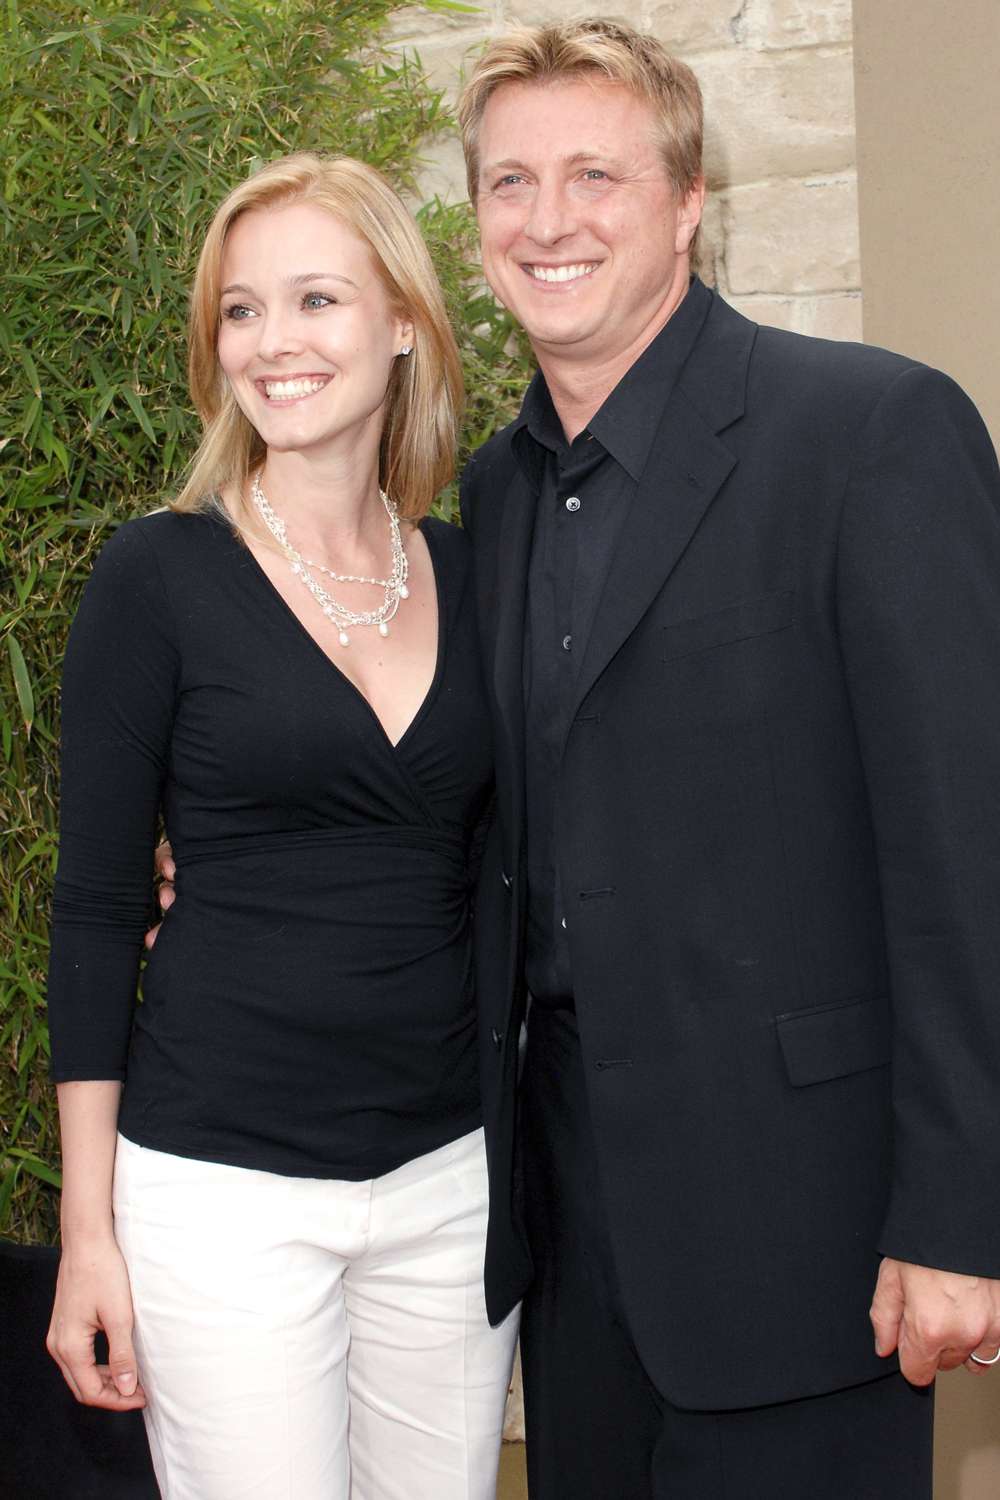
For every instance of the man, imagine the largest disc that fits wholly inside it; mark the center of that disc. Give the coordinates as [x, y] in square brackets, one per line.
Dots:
[740, 606]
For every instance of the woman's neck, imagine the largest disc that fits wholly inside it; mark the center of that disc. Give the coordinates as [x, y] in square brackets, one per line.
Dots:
[330, 507]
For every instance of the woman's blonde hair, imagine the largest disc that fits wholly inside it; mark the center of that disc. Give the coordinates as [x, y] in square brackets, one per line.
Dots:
[601, 48]
[424, 397]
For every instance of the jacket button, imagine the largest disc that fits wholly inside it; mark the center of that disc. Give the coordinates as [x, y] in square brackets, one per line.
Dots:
[497, 1038]
[505, 878]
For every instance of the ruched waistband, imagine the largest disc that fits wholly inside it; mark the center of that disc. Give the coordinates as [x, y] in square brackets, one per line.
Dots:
[450, 846]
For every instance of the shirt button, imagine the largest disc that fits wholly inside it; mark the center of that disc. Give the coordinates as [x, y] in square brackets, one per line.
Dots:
[572, 503]
[562, 924]
[567, 643]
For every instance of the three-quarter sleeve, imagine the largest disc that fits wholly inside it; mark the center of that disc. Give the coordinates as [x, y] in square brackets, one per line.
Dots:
[119, 690]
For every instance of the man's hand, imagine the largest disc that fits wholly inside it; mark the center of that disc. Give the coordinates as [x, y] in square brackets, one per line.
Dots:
[165, 870]
[936, 1319]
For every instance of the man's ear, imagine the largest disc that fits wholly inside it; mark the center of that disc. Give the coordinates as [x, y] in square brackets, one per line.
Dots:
[689, 216]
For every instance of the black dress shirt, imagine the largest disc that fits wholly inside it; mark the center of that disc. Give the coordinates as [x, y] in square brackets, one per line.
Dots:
[585, 489]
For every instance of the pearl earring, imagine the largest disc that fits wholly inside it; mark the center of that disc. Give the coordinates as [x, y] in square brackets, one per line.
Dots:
[406, 349]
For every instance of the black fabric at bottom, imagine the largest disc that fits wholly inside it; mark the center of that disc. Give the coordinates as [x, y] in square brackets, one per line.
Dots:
[597, 1428]
[50, 1447]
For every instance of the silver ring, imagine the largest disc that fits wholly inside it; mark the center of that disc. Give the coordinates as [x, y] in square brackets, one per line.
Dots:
[986, 1362]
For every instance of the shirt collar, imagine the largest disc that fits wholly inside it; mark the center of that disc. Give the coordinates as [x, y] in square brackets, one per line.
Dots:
[626, 423]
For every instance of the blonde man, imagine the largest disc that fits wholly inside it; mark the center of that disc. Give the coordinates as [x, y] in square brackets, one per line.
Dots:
[739, 597]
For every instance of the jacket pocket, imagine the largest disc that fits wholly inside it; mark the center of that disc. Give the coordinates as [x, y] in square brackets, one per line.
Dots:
[739, 622]
[832, 1041]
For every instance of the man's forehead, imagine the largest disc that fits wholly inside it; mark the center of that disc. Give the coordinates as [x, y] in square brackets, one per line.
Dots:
[578, 126]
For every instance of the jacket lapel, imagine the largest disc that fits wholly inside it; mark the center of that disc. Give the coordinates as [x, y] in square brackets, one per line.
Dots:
[511, 549]
[687, 466]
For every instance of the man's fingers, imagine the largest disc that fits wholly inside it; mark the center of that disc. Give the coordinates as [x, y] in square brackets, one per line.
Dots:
[917, 1360]
[151, 936]
[887, 1309]
[987, 1355]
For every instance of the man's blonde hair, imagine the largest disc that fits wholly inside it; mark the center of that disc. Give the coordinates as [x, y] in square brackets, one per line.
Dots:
[596, 47]
[425, 393]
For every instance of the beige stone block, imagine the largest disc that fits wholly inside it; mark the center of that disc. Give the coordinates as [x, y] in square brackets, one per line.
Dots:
[417, 21]
[545, 12]
[835, 317]
[795, 23]
[773, 312]
[443, 173]
[447, 60]
[685, 26]
[777, 114]
[793, 236]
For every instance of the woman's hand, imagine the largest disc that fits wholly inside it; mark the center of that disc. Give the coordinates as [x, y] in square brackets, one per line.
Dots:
[92, 1292]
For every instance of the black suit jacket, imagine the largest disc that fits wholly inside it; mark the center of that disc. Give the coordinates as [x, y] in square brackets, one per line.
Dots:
[778, 847]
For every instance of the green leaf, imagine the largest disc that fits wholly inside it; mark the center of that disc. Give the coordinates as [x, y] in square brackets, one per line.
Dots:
[31, 370]
[22, 683]
[139, 411]
[39, 1169]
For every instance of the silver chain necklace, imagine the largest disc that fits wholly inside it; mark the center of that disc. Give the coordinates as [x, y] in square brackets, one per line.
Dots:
[394, 587]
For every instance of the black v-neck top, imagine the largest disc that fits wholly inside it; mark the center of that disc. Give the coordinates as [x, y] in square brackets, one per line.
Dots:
[307, 1008]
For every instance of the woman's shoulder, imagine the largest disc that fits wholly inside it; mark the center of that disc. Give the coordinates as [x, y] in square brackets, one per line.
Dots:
[162, 538]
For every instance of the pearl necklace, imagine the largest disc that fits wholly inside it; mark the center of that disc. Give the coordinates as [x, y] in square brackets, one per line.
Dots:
[394, 587]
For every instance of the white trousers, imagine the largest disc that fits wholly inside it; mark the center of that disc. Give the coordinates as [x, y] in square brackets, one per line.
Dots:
[301, 1339]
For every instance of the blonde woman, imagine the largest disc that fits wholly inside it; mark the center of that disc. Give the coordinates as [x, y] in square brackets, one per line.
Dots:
[274, 1165]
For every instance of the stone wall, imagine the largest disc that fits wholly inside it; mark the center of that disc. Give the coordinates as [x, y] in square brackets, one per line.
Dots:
[781, 228]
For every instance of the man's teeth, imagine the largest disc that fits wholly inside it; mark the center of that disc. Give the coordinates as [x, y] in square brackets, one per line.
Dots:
[562, 273]
[278, 390]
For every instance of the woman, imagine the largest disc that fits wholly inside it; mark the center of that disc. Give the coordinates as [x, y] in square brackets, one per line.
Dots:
[290, 1187]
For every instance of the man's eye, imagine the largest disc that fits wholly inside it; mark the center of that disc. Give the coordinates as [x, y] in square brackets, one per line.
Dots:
[595, 174]
[315, 300]
[510, 180]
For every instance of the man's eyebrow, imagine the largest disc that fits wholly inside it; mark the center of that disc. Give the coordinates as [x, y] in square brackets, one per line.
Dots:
[302, 279]
[511, 164]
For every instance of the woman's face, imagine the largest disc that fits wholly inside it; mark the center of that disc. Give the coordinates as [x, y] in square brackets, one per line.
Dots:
[307, 334]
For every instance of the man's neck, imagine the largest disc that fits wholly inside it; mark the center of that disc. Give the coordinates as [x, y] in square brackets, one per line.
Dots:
[579, 387]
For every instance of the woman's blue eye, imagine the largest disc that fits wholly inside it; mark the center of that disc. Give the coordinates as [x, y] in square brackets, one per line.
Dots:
[317, 299]
[237, 312]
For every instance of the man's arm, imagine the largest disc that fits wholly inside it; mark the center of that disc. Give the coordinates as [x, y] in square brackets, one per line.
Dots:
[919, 617]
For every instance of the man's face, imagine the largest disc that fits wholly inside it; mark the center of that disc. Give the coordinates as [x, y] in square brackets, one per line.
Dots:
[583, 237]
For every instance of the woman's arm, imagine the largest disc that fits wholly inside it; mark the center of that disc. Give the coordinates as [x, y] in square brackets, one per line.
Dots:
[119, 693]
[92, 1291]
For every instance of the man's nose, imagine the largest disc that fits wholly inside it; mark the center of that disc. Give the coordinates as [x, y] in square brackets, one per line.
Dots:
[552, 216]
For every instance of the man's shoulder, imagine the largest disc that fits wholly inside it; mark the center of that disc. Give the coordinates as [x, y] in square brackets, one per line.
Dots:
[807, 367]
[487, 474]
[496, 453]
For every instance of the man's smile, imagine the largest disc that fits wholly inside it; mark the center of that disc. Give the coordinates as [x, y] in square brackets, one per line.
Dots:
[573, 272]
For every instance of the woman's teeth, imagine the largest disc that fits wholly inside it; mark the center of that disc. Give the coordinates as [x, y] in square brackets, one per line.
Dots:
[286, 390]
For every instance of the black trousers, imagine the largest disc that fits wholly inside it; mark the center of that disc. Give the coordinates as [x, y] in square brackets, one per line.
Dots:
[597, 1428]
